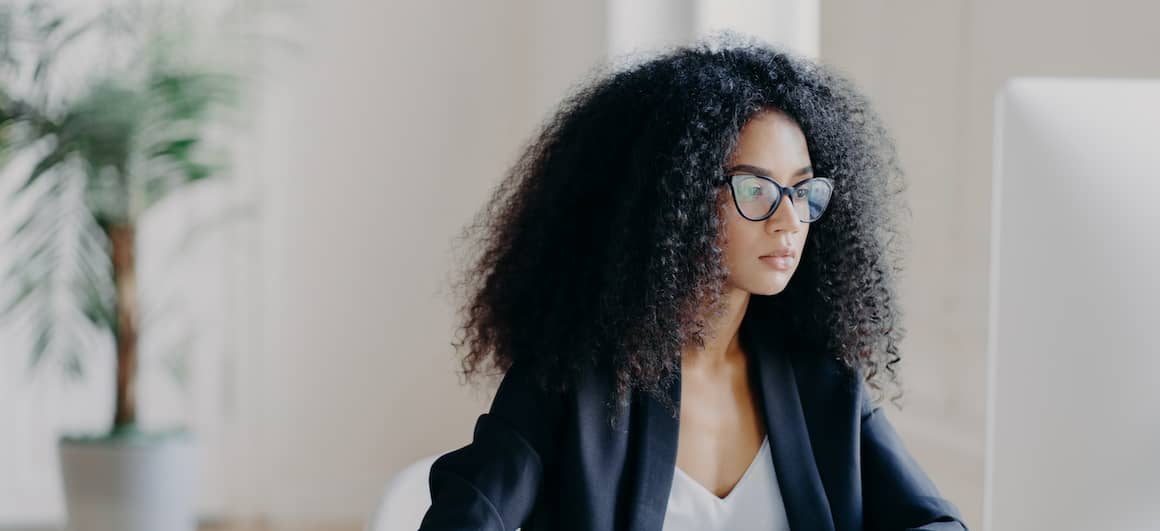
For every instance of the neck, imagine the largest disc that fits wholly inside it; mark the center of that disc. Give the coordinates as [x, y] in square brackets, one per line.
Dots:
[721, 339]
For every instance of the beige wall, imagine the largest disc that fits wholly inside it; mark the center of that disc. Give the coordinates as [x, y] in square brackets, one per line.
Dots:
[379, 144]
[932, 68]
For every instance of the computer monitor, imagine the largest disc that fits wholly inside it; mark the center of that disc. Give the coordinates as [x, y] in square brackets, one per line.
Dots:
[1073, 392]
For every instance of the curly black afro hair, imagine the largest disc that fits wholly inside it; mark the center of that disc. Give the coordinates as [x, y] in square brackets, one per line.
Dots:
[601, 246]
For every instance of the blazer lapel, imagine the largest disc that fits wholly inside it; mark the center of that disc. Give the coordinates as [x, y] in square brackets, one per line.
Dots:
[806, 504]
[655, 451]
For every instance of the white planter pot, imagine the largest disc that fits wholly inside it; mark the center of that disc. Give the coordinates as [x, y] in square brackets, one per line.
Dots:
[134, 483]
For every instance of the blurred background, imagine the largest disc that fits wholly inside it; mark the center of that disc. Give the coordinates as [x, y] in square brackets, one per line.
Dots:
[295, 273]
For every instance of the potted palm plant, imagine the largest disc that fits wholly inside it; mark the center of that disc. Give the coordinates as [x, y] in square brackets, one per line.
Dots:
[134, 132]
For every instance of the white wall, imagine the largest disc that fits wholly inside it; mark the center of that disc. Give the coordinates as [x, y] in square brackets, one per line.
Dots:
[379, 143]
[644, 26]
[932, 68]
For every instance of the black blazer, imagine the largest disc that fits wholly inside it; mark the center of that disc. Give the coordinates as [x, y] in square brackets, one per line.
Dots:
[543, 463]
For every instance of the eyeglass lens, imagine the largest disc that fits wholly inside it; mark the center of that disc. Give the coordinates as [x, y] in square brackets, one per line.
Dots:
[757, 198]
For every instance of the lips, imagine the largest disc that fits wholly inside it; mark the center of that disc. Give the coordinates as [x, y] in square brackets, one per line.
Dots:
[780, 253]
[782, 262]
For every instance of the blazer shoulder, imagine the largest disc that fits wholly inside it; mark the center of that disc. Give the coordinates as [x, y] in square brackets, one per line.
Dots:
[532, 409]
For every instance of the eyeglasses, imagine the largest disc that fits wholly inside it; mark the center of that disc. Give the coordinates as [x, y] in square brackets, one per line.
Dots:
[757, 196]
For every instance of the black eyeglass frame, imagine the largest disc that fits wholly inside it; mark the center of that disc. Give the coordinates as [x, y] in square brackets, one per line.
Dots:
[782, 191]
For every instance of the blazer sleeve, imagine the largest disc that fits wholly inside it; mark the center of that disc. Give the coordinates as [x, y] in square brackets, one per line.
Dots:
[492, 483]
[897, 494]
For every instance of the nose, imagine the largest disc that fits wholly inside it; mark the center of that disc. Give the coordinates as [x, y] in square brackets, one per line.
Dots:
[785, 218]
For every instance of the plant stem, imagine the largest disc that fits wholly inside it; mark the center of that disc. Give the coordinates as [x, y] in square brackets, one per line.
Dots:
[123, 236]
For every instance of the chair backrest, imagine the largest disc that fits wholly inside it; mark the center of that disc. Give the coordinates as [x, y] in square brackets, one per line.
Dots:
[405, 499]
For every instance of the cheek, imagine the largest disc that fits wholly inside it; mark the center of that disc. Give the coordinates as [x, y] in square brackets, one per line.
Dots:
[740, 240]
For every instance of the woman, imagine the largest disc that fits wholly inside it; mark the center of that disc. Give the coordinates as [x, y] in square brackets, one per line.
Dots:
[688, 284]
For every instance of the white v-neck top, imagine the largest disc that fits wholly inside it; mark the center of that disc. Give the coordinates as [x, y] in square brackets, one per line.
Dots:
[754, 504]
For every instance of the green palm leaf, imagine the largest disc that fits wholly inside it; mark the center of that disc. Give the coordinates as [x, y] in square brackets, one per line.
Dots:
[60, 272]
[102, 158]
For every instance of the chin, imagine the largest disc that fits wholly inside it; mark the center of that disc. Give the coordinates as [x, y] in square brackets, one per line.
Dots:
[762, 282]
[768, 286]
[772, 291]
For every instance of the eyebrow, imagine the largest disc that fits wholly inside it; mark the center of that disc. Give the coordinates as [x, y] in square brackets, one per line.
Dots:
[764, 172]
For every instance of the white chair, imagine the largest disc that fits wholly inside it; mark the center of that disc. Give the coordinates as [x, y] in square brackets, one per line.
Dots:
[405, 500]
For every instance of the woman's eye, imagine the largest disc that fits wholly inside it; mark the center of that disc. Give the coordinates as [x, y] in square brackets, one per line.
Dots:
[751, 192]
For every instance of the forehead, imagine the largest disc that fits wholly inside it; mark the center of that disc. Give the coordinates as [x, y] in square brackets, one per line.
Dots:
[773, 140]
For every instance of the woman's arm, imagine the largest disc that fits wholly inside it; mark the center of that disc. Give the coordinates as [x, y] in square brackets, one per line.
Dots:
[897, 494]
[492, 483]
